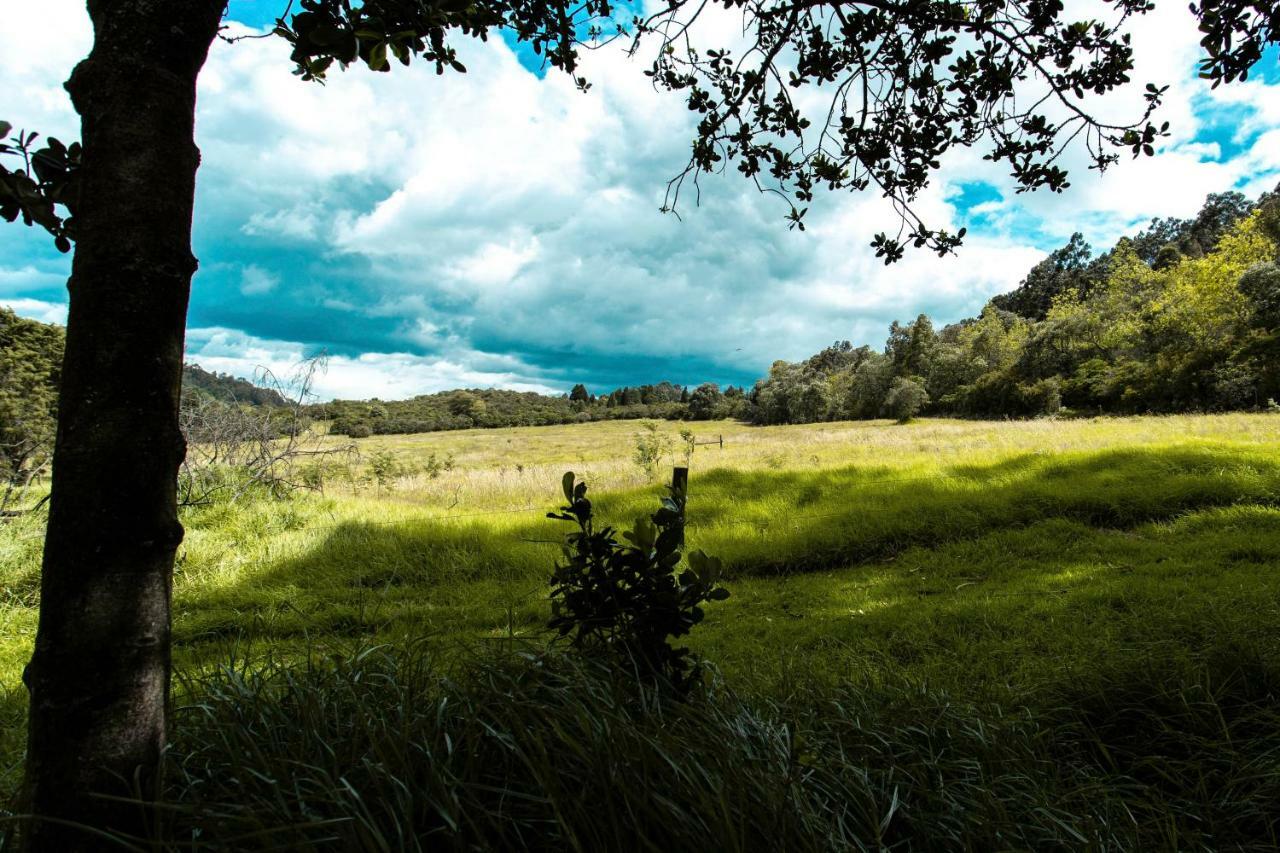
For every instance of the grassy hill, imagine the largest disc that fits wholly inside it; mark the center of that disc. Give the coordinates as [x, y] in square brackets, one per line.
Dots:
[1025, 634]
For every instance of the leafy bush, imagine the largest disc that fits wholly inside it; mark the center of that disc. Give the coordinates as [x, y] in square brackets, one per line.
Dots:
[384, 467]
[435, 465]
[651, 446]
[1043, 397]
[360, 429]
[628, 601]
[1261, 283]
[905, 399]
[688, 443]
[1233, 386]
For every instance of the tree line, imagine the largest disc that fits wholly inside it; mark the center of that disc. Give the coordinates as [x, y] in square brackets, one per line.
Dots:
[1179, 317]
[30, 372]
[1184, 316]
[228, 388]
[493, 407]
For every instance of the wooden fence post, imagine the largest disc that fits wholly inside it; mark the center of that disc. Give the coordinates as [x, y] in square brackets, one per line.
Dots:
[680, 494]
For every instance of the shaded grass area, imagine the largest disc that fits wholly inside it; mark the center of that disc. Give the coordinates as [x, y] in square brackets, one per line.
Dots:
[1016, 650]
[391, 751]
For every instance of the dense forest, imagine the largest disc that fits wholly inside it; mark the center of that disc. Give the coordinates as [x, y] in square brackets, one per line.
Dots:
[478, 407]
[30, 364]
[1183, 316]
[227, 388]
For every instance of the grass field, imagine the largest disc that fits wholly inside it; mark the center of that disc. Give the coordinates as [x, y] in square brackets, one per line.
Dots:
[1109, 567]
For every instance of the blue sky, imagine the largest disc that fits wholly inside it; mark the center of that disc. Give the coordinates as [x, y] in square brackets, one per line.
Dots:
[502, 229]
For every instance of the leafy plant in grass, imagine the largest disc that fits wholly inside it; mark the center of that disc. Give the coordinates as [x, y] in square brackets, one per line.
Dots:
[651, 446]
[385, 468]
[629, 600]
[437, 465]
[688, 442]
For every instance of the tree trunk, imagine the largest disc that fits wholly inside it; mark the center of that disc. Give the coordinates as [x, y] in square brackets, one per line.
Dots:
[99, 678]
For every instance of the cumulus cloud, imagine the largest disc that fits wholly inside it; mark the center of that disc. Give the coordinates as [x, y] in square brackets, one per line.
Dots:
[255, 281]
[501, 227]
[387, 376]
[28, 278]
[37, 309]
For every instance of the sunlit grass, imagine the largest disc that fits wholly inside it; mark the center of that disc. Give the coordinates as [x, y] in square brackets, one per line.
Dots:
[1010, 563]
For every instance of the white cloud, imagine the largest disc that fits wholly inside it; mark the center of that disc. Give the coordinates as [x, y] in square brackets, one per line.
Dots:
[37, 309]
[255, 281]
[27, 278]
[499, 212]
[495, 264]
[301, 222]
[39, 45]
[385, 375]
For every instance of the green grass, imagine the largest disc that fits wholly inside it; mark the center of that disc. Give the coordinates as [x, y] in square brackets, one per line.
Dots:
[1101, 594]
[392, 751]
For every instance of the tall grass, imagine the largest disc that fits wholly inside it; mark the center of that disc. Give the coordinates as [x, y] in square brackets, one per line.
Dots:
[388, 750]
[1040, 635]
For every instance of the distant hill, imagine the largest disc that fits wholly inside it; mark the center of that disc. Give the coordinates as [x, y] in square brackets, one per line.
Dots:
[228, 388]
[492, 407]
[1183, 316]
[30, 372]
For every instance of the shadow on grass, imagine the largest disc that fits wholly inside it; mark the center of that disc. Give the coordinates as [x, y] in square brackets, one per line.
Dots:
[1041, 604]
[13, 743]
[1039, 663]
[556, 755]
[773, 523]
[362, 577]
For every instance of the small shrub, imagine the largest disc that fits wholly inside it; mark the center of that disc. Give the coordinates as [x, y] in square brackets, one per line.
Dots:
[434, 465]
[1233, 386]
[905, 399]
[312, 477]
[689, 442]
[1043, 397]
[384, 468]
[628, 601]
[1261, 284]
[651, 446]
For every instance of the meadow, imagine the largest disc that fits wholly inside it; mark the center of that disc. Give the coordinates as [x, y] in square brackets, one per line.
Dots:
[1043, 634]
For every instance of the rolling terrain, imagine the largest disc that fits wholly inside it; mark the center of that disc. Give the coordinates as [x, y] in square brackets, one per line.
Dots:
[1038, 565]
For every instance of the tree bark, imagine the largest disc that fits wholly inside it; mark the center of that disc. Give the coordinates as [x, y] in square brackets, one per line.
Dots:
[99, 678]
